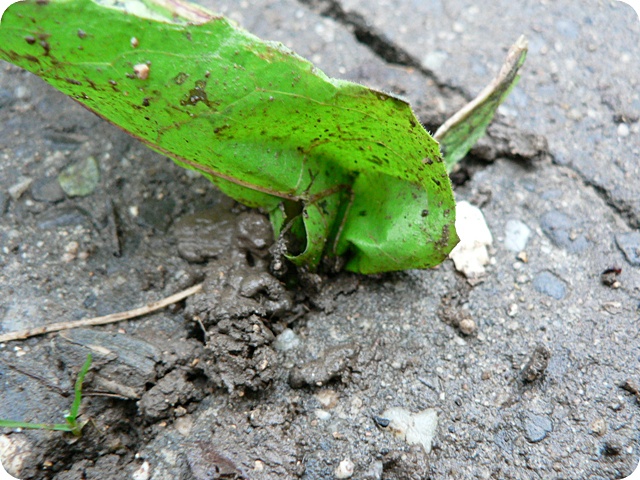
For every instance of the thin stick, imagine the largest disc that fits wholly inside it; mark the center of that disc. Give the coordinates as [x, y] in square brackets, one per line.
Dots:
[112, 318]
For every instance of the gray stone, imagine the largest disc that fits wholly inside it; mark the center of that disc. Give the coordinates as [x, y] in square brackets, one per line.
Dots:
[63, 217]
[47, 190]
[536, 427]
[80, 179]
[564, 231]
[628, 242]
[516, 235]
[550, 285]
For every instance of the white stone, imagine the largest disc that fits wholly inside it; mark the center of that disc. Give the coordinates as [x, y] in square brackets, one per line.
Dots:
[322, 414]
[471, 255]
[286, 341]
[143, 472]
[623, 130]
[16, 190]
[345, 469]
[415, 429]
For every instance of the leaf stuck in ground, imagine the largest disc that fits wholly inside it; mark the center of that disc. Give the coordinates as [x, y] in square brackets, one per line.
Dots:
[72, 425]
[351, 170]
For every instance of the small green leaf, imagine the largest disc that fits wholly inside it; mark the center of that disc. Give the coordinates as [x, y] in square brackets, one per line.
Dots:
[35, 426]
[72, 417]
[350, 168]
[461, 132]
[72, 424]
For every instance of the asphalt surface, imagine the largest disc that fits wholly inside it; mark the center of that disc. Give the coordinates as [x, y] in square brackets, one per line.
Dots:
[542, 385]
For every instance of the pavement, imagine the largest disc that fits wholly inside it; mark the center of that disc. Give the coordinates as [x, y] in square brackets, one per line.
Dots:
[533, 371]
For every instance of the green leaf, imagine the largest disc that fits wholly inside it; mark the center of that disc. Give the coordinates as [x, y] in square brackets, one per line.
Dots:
[72, 417]
[352, 169]
[72, 424]
[63, 427]
[459, 133]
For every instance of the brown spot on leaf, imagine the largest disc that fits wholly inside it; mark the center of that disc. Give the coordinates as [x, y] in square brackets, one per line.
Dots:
[30, 40]
[45, 45]
[81, 33]
[181, 78]
[197, 94]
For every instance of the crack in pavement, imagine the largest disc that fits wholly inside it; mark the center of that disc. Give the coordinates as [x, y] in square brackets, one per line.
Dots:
[618, 206]
[377, 41]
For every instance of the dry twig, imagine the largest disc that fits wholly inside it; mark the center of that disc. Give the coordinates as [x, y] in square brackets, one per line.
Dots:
[112, 318]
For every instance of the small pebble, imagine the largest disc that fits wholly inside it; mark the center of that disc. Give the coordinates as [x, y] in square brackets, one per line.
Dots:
[537, 427]
[564, 231]
[383, 422]
[516, 235]
[467, 326]
[598, 427]
[21, 92]
[286, 341]
[80, 179]
[623, 130]
[322, 414]
[70, 252]
[72, 247]
[47, 190]
[548, 284]
[18, 189]
[327, 398]
[345, 469]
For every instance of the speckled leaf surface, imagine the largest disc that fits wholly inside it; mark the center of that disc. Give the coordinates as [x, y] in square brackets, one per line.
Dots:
[351, 168]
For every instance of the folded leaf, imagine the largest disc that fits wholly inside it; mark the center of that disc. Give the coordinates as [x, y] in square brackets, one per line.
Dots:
[350, 168]
[461, 132]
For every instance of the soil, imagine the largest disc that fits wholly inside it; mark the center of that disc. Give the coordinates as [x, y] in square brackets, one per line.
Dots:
[533, 370]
